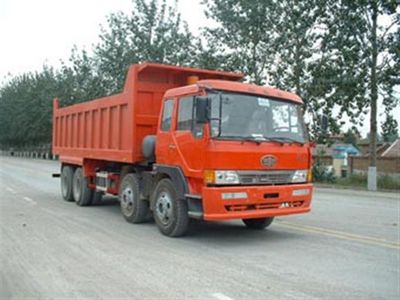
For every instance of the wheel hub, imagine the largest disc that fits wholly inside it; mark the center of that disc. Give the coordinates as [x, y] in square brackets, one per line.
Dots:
[127, 200]
[164, 208]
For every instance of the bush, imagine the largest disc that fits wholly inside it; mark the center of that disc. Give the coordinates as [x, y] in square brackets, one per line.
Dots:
[385, 182]
[322, 174]
[388, 182]
[354, 180]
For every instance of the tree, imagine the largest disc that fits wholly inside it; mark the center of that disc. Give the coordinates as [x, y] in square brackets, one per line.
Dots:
[295, 44]
[151, 32]
[390, 129]
[391, 79]
[80, 80]
[244, 35]
[351, 137]
[359, 52]
[299, 29]
[208, 55]
[25, 106]
[284, 41]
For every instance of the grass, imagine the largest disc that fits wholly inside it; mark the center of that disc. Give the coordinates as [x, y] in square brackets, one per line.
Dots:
[385, 182]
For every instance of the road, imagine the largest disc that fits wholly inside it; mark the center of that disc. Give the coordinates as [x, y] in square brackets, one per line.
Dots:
[347, 248]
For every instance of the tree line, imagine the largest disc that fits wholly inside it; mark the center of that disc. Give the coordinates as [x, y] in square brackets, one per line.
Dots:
[340, 56]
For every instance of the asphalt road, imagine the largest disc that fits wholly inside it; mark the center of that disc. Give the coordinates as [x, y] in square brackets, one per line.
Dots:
[347, 248]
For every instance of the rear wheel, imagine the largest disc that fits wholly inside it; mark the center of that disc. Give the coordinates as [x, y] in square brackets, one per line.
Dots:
[97, 197]
[170, 213]
[81, 191]
[258, 224]
[67, 174]
[134, 209]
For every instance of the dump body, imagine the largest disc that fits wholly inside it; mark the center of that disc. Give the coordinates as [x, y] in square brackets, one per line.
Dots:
[112, 128]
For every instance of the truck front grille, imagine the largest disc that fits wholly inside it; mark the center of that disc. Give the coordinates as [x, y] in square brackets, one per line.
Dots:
[265, 177]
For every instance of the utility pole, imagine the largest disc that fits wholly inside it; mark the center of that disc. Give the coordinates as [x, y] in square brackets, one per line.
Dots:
[372, 172]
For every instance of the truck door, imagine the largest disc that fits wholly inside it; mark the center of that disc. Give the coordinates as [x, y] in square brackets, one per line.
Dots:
[164, 143]
[188, 138]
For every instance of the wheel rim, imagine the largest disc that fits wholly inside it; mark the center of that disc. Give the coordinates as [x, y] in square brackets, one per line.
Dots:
[164, 208]
[77, 187]
[127, 201]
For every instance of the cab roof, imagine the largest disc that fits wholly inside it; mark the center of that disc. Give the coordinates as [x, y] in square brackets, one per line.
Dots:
[234, 86]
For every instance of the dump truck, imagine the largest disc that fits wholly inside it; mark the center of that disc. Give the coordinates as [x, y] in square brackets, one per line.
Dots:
[180, 143]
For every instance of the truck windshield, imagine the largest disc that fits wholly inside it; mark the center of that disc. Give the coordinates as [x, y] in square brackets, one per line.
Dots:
[249, 117]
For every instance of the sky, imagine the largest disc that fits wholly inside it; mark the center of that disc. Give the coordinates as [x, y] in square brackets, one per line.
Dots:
[34, 32]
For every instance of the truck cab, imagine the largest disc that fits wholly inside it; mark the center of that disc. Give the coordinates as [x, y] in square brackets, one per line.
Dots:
[242, 150]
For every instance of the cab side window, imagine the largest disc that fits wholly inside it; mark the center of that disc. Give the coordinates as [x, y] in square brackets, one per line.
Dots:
[167, 115]
[185, 113]
[186, 120]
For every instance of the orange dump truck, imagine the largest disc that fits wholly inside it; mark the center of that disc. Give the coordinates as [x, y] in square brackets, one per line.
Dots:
[181, 143]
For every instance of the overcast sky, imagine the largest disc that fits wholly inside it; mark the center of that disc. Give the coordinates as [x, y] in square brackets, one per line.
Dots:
[34, 32]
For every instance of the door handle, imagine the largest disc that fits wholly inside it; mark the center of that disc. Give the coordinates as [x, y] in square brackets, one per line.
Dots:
[172, 146]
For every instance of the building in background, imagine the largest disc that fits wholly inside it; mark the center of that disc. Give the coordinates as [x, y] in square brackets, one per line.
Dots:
[393, 150]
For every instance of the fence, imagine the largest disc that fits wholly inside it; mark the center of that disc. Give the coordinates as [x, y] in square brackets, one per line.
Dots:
[384, 165]
[41, 152]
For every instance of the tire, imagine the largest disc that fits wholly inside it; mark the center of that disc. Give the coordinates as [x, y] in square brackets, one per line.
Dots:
[97, 197]
[80, 189]
[170, 213]
[133, 208]
[67, 174]
[258, 224]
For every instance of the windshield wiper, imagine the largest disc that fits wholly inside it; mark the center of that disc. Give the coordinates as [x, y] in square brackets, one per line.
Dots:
[255, 139]
[280, 138]
[241, 138]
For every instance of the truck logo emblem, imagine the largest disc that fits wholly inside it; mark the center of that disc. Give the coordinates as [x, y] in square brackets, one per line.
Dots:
[268, 161]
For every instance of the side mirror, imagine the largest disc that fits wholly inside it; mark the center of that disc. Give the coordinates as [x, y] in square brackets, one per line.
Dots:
[324, 123]
[202, 109]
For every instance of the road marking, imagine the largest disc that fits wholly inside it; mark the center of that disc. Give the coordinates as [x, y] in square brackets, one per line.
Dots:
[340, 235]
[30, 200]
[334, 231]
[221, 296]
[11, 190]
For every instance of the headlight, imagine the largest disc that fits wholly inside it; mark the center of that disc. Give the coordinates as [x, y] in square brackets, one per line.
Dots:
[300, 176]
[221, 177]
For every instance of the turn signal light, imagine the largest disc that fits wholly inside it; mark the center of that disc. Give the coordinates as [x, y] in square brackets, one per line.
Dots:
[209, 177]
[309, 175]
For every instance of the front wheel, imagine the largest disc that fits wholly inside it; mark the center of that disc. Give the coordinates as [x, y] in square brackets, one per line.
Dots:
[170, 213]
[258, 224]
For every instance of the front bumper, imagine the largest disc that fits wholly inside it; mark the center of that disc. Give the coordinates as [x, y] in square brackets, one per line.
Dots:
[261, 201]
